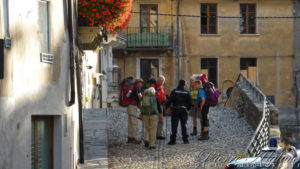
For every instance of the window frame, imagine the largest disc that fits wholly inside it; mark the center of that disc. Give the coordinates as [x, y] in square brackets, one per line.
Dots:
[247, 18]
[208, 13]
[148, 16]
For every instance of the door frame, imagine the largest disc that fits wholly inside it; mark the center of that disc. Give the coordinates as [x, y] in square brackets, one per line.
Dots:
[138, 65]
[51, 119]
[218, 68]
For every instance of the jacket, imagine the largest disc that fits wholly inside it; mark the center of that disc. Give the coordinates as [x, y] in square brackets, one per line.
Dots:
[180, 97]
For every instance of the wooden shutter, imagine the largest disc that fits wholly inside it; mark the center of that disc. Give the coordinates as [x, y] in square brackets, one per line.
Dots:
[1, 58]
[44, 26]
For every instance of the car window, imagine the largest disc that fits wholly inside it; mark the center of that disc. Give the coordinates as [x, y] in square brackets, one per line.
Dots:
[297, 165]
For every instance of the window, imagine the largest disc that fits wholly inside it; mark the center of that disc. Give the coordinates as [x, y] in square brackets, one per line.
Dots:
[209, 66]
[209, 18]
[249, 69]
[148, 18]
[271, 99]
[247, 62]
[247, 18]
[149, 68]
[41, 142]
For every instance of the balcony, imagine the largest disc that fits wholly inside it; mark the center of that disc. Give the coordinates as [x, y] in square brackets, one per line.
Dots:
[149, 39]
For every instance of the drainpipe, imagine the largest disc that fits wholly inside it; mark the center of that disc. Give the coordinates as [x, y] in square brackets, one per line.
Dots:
[78, 76]
[70, 27]
[178, 41]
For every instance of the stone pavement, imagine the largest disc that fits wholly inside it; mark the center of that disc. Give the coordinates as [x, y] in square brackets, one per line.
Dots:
[95, 139]
[229, 136]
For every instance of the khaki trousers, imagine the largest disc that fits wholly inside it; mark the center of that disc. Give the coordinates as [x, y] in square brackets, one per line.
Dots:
[132, 122]
[150, 128]
[160, 125]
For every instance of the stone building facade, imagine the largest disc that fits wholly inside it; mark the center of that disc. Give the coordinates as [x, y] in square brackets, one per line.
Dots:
[38, 109]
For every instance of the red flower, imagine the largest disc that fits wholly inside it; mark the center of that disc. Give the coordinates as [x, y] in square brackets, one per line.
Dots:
[114, 15]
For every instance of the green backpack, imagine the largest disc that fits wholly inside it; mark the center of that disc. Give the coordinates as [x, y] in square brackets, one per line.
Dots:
[149, 104]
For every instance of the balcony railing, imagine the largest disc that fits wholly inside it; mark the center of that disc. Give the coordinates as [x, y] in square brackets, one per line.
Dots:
[160, 37]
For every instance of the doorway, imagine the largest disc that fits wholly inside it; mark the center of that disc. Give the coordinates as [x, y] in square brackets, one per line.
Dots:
[209, 67]
[149, 68]
[42, 142]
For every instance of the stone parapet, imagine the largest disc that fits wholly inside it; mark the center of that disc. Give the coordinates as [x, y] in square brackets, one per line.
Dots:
[249, 106]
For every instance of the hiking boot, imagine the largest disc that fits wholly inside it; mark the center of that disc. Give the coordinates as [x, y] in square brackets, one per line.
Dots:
[130, 140]
[204, 136]
[194, 133]
[186, 142]
[137, 141]
[202, 132]
[152, 147]
[146, 144]
[171, 143]
[160, 137]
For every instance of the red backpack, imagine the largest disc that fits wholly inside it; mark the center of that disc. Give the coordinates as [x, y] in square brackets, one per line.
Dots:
[160, 94]
[126, 88]
[212, 95]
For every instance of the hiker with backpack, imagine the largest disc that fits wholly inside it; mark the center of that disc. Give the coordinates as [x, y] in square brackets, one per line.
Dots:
[207, 96]
[135, 96]
[150, 110]
[161, 97]
[194, 87]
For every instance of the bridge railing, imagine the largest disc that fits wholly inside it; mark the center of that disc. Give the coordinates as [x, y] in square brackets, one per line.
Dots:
[261, 137]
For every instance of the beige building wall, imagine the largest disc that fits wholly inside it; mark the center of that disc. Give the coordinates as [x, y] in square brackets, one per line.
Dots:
[272, 45]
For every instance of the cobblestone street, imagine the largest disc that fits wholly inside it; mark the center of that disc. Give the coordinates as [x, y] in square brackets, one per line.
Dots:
[229, 136]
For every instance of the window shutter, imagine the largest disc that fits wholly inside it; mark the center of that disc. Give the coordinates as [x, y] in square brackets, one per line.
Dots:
[1, 58]
[43, 19]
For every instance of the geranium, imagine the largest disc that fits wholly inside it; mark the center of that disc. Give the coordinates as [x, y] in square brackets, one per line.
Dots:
[112, 15]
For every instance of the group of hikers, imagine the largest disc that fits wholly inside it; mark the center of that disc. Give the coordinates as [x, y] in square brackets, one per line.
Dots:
[151, 99]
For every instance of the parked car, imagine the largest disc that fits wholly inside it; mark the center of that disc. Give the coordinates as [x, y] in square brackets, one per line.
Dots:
[272, 157]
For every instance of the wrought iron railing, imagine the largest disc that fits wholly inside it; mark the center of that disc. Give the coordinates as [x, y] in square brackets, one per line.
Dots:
[261, 137]
[158, 37]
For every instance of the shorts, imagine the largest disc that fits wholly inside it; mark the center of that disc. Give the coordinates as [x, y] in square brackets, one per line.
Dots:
[194, 110]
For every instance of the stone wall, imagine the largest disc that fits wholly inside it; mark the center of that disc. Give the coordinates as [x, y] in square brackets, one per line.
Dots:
[249, 106]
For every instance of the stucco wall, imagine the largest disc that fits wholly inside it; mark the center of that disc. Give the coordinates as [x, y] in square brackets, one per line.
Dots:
[31, 87]
[272, 45]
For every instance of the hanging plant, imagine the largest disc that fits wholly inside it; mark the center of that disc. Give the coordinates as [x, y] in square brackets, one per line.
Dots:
[112, 15]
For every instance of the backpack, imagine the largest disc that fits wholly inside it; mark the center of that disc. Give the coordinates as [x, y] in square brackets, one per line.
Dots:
[160, 94]
[149, 83]
[149, 103]
[126, 88]
[212, 95]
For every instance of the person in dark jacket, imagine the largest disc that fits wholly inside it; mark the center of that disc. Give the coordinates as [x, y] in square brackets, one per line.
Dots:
[181, 100]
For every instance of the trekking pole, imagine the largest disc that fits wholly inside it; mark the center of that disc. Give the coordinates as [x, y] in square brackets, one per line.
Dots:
[132, 115]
